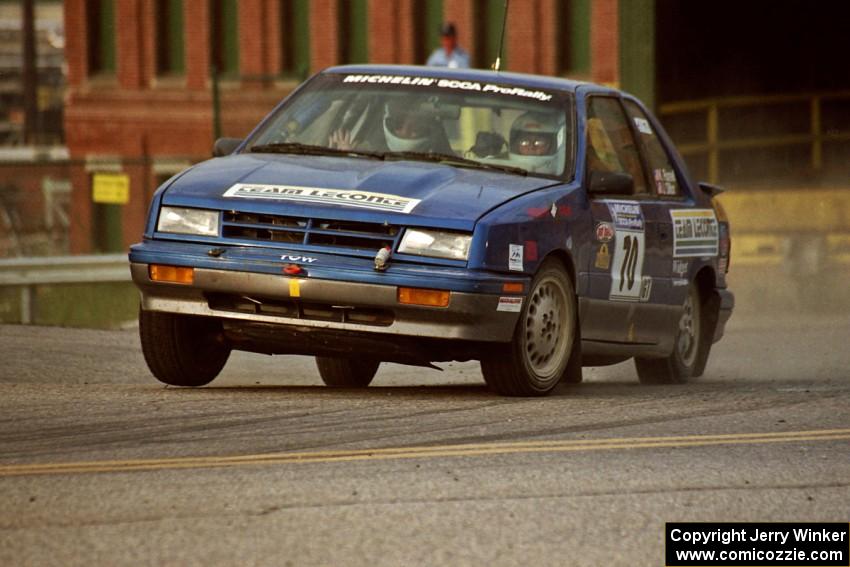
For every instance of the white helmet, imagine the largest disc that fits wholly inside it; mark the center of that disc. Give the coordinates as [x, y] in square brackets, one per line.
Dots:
[407, 128]
[537, 143]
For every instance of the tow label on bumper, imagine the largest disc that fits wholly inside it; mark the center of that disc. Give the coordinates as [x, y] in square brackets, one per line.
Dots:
[318, 195]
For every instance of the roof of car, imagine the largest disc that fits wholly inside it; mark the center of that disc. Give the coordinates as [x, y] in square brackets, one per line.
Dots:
[481, 75]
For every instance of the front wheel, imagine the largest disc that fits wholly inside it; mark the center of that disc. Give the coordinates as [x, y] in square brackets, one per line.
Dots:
[182, 350]
[680, 366]
[544, 339]
[346, 372]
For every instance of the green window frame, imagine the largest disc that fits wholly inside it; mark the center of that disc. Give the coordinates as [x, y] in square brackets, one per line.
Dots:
[572, 37]
[353, 31]
[295, 38]
[170, 48]
[488, 18]
[637, 49]
[224, 37]
[100, 44]
[427, 19]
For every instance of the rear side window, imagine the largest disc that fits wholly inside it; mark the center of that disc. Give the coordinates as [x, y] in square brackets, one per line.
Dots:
[611, 145]
[661, 170]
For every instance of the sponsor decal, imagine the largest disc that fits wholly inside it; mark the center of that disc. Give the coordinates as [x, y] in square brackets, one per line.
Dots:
[603, 258]
[297, 259]
[679, 282]
[320, 196]
[554, 210]
[294, 288]
[627, 268]
[626, 214]
[643, 126]
[681, 267]
[694, 233]
[515, 262]
[511, 304]
[665, 182]
[452, 84]
[645, 288]
[604, 232]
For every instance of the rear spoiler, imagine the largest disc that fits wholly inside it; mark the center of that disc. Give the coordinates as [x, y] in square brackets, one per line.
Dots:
[711, 190]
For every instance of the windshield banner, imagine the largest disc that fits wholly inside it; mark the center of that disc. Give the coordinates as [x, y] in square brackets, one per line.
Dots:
[448, 84]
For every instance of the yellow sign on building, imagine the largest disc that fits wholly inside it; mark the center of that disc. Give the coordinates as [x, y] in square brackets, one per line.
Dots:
[111, 188]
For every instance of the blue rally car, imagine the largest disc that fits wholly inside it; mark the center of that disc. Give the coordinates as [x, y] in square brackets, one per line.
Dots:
[417, 215]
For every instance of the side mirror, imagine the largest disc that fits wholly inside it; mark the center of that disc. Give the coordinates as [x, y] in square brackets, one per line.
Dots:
[611, 183]
[225, 146]
[711, 190]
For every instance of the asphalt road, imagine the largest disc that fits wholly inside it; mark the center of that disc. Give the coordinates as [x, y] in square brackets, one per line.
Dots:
[100, 465]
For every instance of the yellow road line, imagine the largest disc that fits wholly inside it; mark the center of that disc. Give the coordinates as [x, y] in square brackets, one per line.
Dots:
[467, 450]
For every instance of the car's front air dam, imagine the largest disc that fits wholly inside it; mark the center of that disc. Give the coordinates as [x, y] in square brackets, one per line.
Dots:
[469, 316]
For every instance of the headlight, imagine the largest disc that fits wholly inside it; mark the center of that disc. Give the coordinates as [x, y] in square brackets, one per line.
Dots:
[188, 221]
[435, 243]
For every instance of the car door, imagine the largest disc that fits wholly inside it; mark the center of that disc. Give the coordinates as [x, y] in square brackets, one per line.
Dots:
[667, 206]
[622, 305]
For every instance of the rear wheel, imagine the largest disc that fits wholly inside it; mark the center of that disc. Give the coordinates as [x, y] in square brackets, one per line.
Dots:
[182, 350]
[536, 360]
[346, 372]
[679, 366]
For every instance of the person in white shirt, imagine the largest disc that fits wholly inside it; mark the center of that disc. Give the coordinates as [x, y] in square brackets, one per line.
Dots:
[450, 54]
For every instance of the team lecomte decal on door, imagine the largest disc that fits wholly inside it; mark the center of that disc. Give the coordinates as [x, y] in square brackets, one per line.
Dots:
[695, 232]
[322, 196]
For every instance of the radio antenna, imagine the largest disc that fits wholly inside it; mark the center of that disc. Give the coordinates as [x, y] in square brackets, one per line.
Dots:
[497, 66]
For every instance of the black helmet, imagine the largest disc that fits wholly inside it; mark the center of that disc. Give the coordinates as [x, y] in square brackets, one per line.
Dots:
[448, 30]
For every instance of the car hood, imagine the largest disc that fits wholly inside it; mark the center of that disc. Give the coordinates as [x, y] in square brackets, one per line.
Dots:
[398, 192]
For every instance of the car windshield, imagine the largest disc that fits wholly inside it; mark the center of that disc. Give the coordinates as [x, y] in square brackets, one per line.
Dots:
[465, 123]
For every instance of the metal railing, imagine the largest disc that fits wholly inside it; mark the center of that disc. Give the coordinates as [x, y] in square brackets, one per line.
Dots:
[27, 273]
[714, 141]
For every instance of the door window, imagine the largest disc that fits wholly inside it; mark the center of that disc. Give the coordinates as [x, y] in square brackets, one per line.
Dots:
[662, 174]
[611, 146]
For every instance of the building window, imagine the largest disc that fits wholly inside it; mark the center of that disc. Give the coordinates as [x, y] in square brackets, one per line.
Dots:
[295, 38]
[487, 20]
[353, 30]
[100, 17]
[224, 37]
[169, 37]
[572, 37]
[427, 19]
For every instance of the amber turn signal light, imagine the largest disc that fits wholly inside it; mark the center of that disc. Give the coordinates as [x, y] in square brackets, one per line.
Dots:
[427, 297]
[171, 274]
[513, 288]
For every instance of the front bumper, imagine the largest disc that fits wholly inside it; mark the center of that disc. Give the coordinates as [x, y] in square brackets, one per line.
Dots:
[248, 287]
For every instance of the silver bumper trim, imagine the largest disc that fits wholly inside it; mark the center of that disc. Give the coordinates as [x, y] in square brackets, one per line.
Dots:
[469, 316]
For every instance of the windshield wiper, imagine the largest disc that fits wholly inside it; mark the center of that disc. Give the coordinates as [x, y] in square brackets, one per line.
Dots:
[455, 160]
[310, 150]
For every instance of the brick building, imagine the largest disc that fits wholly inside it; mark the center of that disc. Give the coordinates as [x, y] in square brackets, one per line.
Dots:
[140, 97]
[139, 73]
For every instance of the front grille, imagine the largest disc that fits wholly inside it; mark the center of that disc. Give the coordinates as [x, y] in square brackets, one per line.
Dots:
[300, 310]
[308, 231]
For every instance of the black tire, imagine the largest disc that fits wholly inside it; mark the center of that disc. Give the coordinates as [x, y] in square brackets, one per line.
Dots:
[682, 363]
[346, 372]
[543, 348]
[182, 350]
